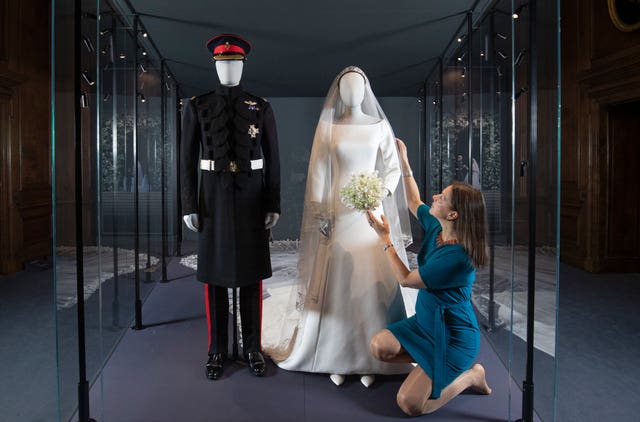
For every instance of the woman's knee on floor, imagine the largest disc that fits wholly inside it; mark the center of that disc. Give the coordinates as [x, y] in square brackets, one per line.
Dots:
[410, 404]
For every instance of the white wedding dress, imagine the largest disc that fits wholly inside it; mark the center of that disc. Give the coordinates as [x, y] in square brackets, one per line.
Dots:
[354, 293]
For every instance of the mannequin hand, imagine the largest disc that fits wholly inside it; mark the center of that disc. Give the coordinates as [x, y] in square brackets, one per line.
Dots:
[325, 227]
[191, 221]
[380, 226]
[270, 220]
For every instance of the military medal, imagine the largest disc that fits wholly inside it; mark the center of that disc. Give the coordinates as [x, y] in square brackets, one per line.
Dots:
[253, 131]
[252, 105]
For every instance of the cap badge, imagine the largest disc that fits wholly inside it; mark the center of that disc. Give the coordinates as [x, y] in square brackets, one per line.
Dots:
[253, 131]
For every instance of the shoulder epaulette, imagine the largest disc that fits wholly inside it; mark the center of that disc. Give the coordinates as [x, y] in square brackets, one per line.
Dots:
[262, 99]
[203, 95]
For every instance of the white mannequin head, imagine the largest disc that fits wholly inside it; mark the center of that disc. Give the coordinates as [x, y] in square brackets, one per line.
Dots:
[352, 89]
[229, 71]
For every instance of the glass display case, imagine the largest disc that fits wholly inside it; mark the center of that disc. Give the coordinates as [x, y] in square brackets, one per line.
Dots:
[490, 118]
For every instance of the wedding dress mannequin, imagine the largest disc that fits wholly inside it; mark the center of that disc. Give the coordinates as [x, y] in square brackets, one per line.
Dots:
[229, 74]
[346, 293]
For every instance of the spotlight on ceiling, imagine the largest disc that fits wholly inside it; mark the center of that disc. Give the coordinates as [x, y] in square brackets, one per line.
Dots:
[84, 100]
[87, 78]
[88, 44]
[518, 12]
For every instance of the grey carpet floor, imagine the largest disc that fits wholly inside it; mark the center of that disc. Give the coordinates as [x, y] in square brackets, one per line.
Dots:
[157, 375]
[159, 369]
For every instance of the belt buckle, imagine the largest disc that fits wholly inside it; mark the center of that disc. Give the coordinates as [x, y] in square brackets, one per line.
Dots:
[233, 167]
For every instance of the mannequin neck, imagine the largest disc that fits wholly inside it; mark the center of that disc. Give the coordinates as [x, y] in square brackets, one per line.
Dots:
[354, 116]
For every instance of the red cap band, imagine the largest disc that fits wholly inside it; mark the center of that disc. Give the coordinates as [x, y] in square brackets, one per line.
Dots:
[228, 48]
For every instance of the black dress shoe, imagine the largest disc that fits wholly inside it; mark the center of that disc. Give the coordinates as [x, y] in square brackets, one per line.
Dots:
[256, 363]
[214, 366]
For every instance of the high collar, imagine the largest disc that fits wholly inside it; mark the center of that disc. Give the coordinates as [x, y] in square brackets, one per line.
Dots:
[231, 91]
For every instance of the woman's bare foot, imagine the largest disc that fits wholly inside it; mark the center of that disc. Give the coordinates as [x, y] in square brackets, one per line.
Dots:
[479, 385]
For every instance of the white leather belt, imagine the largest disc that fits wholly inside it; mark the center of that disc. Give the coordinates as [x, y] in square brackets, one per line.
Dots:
[209, 165]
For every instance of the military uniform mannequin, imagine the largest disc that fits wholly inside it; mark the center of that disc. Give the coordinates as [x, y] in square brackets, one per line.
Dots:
[230, 135]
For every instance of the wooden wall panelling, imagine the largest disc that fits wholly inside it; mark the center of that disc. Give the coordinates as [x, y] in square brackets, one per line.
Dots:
[4, 30]
[600, 70]
[26, 145]
[622, 244]
[6, 228]
[606, 38]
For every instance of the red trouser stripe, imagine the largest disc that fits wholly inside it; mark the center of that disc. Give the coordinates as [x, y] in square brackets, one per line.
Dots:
[208, 309]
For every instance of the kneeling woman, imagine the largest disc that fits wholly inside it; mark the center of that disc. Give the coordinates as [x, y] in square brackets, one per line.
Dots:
[443, 337]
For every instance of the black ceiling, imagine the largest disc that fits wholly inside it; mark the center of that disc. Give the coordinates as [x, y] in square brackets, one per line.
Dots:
[299, 46]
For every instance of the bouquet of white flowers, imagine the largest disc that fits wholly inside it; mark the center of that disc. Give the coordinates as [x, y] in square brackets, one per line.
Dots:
[364, 191]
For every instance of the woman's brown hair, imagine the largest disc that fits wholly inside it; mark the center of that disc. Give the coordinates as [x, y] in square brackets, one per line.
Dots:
[471, 224]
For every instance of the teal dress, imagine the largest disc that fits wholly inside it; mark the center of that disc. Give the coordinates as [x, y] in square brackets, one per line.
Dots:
[443, 336]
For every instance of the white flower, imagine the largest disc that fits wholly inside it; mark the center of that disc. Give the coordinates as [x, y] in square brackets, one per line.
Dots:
[364, 191]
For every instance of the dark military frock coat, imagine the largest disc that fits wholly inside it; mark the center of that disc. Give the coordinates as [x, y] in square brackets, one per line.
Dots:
[232, 130]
